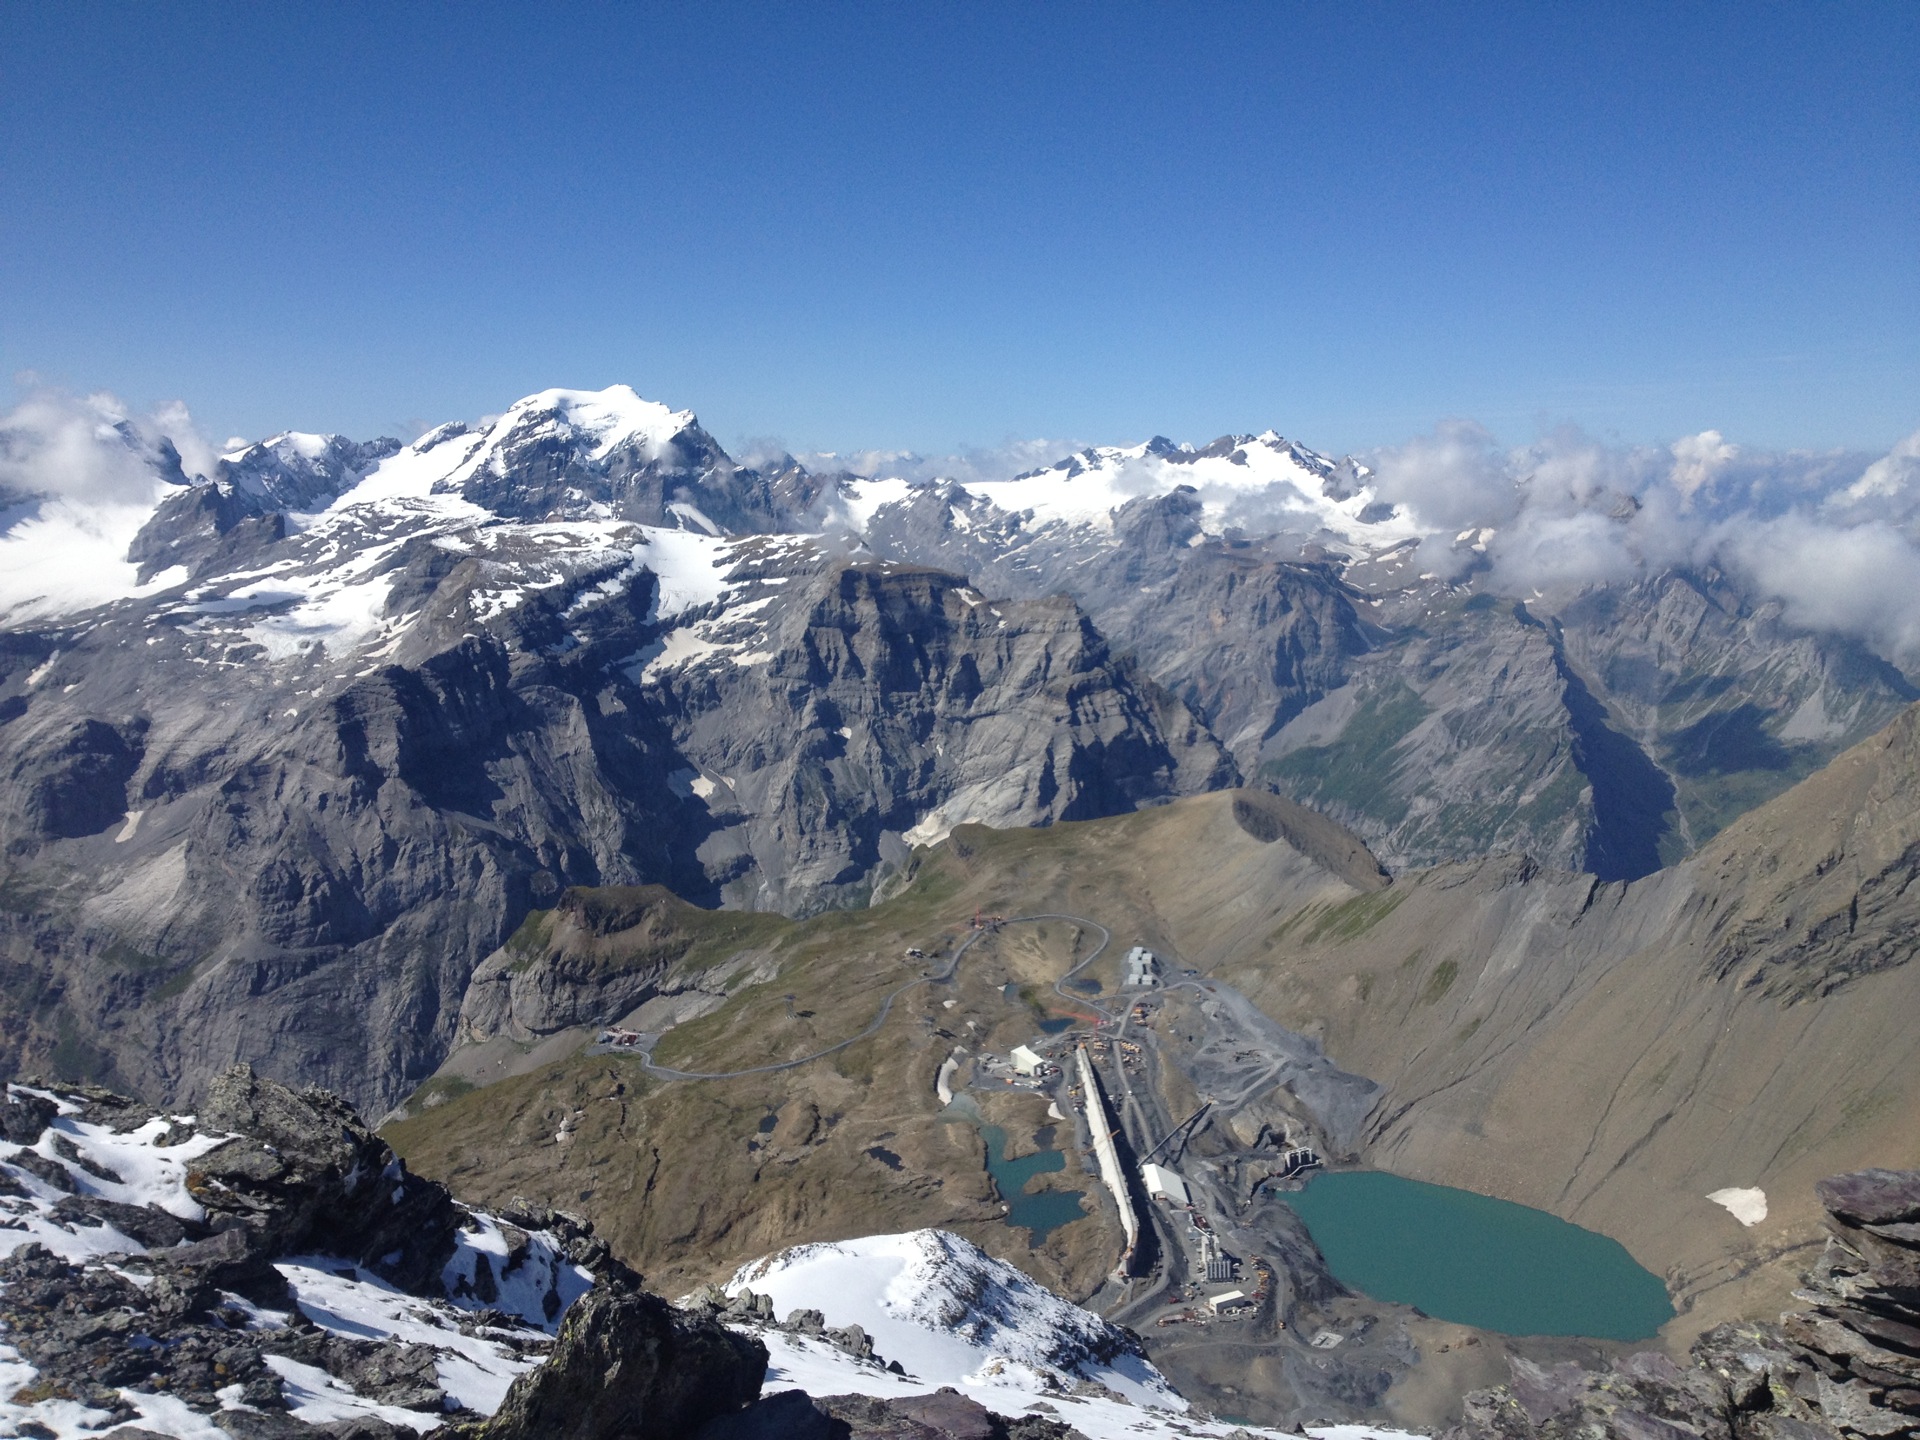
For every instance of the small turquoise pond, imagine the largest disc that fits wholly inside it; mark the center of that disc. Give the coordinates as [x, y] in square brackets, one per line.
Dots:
[1476, 1260]
[1039, 1214]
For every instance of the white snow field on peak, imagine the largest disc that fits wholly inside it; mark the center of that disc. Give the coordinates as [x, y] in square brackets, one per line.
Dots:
[1256, 482]
[327, 584]
[446, 457]
[949, 1314]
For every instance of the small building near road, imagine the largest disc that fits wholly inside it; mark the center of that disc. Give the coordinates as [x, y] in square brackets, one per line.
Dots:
[1229, 1300]
[1025, 1061]
[1143, 970]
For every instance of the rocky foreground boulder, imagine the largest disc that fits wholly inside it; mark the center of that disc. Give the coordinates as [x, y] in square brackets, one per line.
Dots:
[1848, 1364]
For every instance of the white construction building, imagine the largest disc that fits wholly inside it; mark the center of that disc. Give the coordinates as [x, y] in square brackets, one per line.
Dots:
[1164, 1184]
[1025, 1062]
[1143, 969]
[1228, 1300]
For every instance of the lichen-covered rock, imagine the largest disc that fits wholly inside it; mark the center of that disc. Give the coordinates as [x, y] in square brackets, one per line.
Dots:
[1872, 1197]
[306, 1173]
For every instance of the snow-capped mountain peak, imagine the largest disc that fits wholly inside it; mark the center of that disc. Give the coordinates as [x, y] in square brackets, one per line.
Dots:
[601, 420]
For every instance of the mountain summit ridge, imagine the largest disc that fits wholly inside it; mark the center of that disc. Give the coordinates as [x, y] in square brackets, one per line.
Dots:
[355, 709]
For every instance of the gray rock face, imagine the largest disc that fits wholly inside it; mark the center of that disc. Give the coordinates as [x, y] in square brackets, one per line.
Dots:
[897, 703]
[282, 821]
[629, 1367]
[203, 1317]
[1872, 1197]
[307, 1174]
[945, 1414]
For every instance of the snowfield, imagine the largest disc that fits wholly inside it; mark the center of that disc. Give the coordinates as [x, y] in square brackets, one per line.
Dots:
[1258, 482]
[950, 1314]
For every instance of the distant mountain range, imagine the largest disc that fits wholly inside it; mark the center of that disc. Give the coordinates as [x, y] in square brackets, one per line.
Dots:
[286, 764]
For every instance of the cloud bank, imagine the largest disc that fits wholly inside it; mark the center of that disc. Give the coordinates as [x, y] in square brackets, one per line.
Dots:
[79, 476]
[1833, 537]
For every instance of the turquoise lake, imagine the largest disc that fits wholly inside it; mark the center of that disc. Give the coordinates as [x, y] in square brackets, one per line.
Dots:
[1040, 1215]
[1476, 1260]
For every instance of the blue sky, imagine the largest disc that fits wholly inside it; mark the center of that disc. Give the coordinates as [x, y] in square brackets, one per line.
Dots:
[924, 226]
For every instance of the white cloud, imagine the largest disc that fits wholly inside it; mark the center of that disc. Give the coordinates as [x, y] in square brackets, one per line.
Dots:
[1697, 459]
[80, 476]
[1861, 580]
[1833, 537]
[1894, 474]
[90, 449]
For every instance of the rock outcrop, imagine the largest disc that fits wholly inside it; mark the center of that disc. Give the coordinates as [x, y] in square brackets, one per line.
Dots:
[287, 1277]
[627, 1366]
[944, 1414]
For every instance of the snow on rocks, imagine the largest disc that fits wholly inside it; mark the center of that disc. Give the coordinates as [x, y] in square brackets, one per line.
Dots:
[940, 1312]
[1262, 482]
[950, 1314]
[162, 1225]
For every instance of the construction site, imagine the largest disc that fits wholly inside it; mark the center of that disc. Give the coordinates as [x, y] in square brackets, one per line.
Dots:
[1194, 1112]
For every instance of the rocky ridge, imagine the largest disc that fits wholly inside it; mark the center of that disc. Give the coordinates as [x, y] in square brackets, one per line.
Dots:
[283, 1275]
[361, 707]
[267, 1269]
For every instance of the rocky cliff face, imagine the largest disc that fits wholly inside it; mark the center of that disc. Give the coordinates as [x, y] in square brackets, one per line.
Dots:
[279, 810]
[360, 707]
[896, 703]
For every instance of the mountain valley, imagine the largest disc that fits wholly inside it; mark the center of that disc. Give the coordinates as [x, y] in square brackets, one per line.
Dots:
[738, 858]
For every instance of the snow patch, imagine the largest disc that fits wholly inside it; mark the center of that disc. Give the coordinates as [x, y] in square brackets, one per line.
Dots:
[1747, 1205]
[950, 1314]
[861, 500]
[316, 1397]
[149, 1173]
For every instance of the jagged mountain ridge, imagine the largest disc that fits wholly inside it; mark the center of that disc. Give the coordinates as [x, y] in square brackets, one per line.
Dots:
[277, 802]
[360, 706]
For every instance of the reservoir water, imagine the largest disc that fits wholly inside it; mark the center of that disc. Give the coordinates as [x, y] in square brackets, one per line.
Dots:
[1476, 1260]
[1039, 1214]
